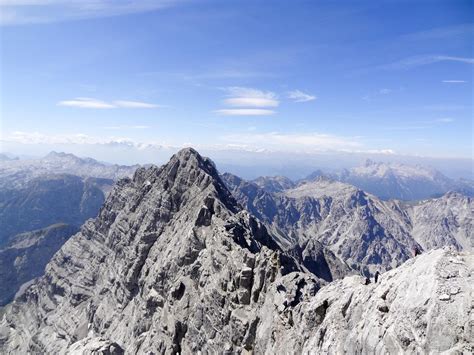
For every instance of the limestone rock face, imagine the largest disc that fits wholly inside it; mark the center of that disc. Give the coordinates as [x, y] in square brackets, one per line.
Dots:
[172, 264]
[362, 230]
[424, 306]
[448, 220]
[366, 233]
[26, 255]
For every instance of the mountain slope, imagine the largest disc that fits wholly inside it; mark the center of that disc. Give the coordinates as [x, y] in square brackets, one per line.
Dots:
[448, 220]
[274, 183]
[47, 200]
[26, 255]
[424, 306]
[360, 229]
[172, 264]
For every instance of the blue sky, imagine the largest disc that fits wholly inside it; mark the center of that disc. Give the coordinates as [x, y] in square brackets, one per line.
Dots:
[388, 77]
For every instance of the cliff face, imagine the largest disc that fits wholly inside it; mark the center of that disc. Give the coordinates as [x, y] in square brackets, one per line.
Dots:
[448, 220]
[424, 306]
[173, 264]
[362, 230]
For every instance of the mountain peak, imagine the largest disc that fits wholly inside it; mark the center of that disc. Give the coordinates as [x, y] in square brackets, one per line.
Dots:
[189, 159]
[187, 152]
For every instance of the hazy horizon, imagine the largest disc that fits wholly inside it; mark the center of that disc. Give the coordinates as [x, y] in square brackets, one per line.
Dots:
[250, 165]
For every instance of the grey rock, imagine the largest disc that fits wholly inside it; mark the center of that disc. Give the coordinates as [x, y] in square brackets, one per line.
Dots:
[153, 273]
[49, 199]
[399, 181]
[146, 276]
[25, 256]
[361, 230]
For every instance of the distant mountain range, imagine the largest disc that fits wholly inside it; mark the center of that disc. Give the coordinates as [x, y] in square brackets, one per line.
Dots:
[181, 259]
[385, 180]
[16, 171]
[59, 188]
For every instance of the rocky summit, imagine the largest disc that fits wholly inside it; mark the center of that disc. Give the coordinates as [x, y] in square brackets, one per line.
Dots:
[174, 264]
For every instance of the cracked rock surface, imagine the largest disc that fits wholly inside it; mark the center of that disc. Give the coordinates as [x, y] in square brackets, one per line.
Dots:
[173, 264]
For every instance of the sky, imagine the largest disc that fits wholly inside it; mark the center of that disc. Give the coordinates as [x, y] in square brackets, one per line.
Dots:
[120, 80]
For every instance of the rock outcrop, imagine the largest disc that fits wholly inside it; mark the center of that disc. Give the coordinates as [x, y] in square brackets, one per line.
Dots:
[425, 306]
[366, 233]
[448, 220]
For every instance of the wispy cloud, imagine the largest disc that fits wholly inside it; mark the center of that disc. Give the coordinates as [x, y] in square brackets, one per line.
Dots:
[300, 96]
[87, 102]
[134, 104]
[249, 102]
[245, 112]
[249, 97]
[285, 141]
[41, 138]
[249, 142]
[21, 12]
[415, 61]
[454, 81]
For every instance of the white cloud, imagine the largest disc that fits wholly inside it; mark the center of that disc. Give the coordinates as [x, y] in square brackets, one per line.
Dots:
[245, 112]
[251, 102]
[385, 91]
[296, 141]
[299, 96]
[40, 138]
[454, 81]
[79, 139]
[87, 102]
[249, 97]
[248, 142]
[134, 104]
